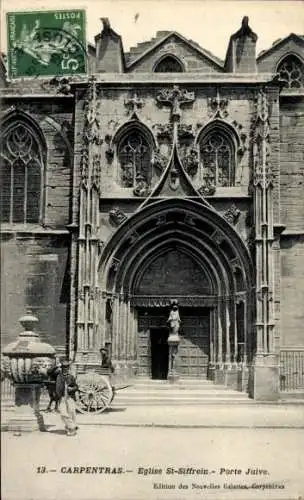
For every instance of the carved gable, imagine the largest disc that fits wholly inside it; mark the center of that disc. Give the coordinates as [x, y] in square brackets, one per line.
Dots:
[146, 56]
[268, 60]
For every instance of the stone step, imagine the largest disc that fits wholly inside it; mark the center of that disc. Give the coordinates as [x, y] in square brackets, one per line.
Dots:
[179, 383]
[169, 387]
[187, 391]
[216, 400]
[174, 397]
[178, 393]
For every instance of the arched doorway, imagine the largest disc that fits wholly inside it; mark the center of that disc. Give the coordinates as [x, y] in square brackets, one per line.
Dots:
[177, 249]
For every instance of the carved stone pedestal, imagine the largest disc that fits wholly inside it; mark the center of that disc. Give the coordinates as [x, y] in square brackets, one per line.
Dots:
[27, 416]
[173, 342]
[219, 376]
[211, 372]
[231, 377]
[265, 378]
[242, 378]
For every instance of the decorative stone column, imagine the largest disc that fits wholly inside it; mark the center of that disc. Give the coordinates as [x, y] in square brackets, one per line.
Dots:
[89, 245]
[29, 360]
[265, 375]
[219, 377]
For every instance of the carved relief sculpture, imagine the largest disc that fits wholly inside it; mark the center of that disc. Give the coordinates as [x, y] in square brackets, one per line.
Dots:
[117, 216]
[110, 150]
[141, 186]
[174, 320]
[191, 162]
[134, 103]
[174, 179]
[163, 130]
[185, 131]
[232, 214]
[217, 107]
[208, 187]
[159, 161]
[175, 98]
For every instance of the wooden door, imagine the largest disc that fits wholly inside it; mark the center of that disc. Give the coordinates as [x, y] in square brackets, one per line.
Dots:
[193, 356]
[146, 320]
[194, 347]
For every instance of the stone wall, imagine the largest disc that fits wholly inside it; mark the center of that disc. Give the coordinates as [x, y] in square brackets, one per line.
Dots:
[54, 118]
[35, 257]
[114, 115]
[292, 291]
[292, 216]
[189, 58]
[268, 63]
[292, 162]
[35, 276]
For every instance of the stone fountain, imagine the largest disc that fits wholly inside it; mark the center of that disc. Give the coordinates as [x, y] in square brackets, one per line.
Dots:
[29, 359]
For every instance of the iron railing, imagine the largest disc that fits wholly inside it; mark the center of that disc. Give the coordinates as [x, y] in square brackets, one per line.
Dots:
[7, 391]
[292, 370]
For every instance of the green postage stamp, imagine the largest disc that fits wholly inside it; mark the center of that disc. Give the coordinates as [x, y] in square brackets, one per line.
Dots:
[46, 43]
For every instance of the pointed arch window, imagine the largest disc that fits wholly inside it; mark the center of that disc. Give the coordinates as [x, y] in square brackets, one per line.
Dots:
[21, 169]
[168, 64]
[134, 155]
[217, 152]
[291, 72]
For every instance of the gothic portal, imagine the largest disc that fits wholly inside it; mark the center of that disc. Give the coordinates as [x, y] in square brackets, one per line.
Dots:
[166, 176]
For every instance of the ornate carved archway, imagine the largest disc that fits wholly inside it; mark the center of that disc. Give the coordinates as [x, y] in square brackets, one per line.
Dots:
[209, 241]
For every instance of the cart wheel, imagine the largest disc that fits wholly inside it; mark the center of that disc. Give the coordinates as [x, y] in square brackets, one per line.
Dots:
[95, 393]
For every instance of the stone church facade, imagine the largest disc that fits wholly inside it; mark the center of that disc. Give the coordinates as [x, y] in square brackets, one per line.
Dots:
[165, 174]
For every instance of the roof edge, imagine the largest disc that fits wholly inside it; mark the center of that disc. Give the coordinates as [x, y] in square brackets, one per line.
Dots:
[216, 61]
[279, 42]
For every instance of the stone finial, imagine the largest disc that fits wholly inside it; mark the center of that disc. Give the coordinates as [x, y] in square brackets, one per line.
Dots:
[106, 26]
[245, 30]
[109, 51]
[241, 53]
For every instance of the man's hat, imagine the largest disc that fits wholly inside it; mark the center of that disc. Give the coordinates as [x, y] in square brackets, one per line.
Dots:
[65, 363]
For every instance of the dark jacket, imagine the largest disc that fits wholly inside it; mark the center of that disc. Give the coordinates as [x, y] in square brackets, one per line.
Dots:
[107, 363]
[51, 382]
[70, 381]
[52, 373]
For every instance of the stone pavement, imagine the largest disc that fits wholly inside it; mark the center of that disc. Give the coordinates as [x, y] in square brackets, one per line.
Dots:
[210, 416]
[120, 463]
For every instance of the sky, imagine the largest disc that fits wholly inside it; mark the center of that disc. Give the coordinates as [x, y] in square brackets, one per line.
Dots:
[208, 22]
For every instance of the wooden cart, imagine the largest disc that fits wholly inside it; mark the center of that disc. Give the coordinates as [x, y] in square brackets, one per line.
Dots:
[96, 391]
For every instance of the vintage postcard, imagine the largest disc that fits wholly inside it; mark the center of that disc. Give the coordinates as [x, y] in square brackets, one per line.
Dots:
[152, 249]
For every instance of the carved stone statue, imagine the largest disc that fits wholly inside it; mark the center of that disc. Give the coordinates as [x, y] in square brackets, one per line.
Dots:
[174, 318]
[141, 187]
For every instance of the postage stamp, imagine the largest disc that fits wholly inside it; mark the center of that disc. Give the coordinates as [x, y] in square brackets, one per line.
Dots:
[46, 43]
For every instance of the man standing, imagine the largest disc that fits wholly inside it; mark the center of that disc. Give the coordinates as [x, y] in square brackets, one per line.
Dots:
[106, 361]
[66, 389]
[51, 384]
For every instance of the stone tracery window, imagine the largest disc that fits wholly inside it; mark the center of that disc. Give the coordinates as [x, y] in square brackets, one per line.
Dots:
[168, 65]
[134, 155]
[22, 166]
[291, 72]
[218, 158]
